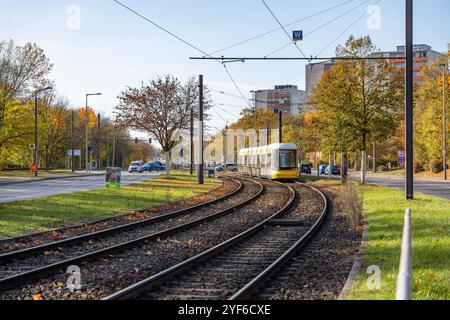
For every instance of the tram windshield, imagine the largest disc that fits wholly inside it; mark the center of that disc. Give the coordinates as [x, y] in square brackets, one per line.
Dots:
[288, 159]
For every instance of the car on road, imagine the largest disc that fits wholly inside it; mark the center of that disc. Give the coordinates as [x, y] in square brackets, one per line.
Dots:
[335, 170]
[152, 166]
[161, 164]
[305, 168]
[231, 168]
[136, 166]
[323, 170]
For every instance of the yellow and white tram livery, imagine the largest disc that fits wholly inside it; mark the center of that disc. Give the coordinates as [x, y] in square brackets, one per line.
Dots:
[275, 162]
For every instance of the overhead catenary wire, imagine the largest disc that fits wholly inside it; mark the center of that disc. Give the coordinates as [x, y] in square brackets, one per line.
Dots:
[226, 121]
[277, 29]
[345, 31]
[284, 29]
[253, 100]
[322, 26]
[185, 42]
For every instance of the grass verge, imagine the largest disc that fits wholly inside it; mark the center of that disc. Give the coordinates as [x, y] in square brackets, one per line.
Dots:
[385, 210]
[37, 215]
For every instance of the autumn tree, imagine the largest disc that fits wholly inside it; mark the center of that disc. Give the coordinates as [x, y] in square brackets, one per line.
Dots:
[358, 100]
[429, 115]
[22, 69]
[159, 108]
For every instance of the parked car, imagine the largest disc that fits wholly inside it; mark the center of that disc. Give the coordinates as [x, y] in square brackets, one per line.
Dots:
[136, 166]
[335, 170]
[323, 170]
[161, 164]
[305, 168]
[152, 166]
[231, 168]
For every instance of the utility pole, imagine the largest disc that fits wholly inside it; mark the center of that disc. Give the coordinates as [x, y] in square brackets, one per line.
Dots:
[201, 171]
[36, 163]
[87, 128]
[107, 150]
[444, 107]
[191, 157]
[409, 103]
[72, 160]
[87, 134]
[36, 149]
[226, 149]
[267, 134]
[280, 126]
[114, 150]
[374, 155]
[99, 142]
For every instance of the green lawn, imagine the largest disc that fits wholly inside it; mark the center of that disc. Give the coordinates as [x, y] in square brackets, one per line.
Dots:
[385, 210]
[392, 173]
[42, 214]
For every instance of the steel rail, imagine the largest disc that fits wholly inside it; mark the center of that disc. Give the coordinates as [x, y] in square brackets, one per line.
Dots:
[101, 220]
[259, 280]
[8, 282]
[73, 240]
[134, 290]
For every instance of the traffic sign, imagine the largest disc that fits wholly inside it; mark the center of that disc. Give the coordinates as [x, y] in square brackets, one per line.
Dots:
[77, 153]
[32, 146]
[297, 35]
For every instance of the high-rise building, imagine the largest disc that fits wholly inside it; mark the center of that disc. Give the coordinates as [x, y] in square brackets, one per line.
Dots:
[286, 98]
[423, 56]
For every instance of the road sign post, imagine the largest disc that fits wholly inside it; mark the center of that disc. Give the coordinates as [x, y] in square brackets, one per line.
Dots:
[113, 178]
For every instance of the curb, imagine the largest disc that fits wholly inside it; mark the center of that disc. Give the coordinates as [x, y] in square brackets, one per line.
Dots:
[358, 263]
[48, 178]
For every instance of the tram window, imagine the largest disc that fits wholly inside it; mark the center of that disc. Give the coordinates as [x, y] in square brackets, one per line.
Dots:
[288, 159]
[269, 160]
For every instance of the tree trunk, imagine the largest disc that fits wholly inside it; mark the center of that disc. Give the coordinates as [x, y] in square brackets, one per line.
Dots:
[344, 168]
[330, 164]
[168, 163]
[363, 166]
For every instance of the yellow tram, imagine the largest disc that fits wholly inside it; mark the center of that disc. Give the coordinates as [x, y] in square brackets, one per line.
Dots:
[275, 162]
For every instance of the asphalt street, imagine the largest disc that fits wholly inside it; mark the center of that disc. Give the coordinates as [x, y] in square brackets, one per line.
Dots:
[45, 188]
[435, 188]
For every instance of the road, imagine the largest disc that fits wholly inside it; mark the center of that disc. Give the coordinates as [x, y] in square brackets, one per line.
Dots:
[41, 189]
[435, 188]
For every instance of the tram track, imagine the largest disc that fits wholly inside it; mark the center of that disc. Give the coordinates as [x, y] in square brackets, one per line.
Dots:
[23, 265]
[235, 268]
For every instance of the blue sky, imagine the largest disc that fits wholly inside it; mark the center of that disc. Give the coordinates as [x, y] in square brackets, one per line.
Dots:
[114, 49]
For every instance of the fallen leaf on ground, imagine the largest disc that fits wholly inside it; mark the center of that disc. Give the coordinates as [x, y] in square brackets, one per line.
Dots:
[37, 296]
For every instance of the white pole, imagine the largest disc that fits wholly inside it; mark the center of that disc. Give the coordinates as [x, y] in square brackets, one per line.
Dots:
[404, 281]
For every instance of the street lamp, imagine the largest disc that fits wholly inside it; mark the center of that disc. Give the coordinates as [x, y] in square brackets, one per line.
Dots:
[36, 93]
[87, 128]
[444, 69]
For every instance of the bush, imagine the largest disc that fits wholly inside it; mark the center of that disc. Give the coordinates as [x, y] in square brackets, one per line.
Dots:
[418, 167]
[350, 203]
[436, 166]
[381, 168]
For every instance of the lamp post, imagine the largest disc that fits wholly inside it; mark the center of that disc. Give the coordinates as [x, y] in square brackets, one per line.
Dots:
[87, 128]
[36, 93]
[444, 107]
